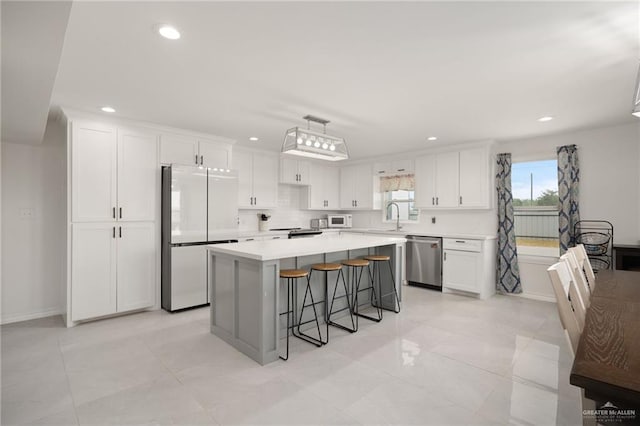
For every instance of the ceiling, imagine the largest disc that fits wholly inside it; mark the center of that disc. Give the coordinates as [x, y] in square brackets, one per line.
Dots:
[32, 39]
[387, 75]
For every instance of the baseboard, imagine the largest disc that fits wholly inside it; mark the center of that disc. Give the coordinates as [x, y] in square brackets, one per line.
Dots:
[8, 319]
[531, 296]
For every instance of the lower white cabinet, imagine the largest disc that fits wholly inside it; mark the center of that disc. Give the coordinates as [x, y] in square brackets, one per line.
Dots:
[113, 268]
[468, 265]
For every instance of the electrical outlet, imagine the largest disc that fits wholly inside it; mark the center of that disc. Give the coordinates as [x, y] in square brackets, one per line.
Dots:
[433, 219]
[27, 213]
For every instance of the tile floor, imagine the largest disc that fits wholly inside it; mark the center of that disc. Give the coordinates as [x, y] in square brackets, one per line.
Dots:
[445, 359]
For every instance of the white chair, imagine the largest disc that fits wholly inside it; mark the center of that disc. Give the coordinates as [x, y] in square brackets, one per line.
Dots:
[585, 265]
[572, 313]
[577, 276]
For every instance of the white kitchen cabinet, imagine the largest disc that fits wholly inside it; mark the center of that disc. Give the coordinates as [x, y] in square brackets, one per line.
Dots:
[93, 172]
[453, 180]
[136, 257]
[395, 167]
[324, 187]
[460, 270]
[294, 171]
[113, 268]
[257, 179]
[474, 182]
[179, 149]
[137, 175]
[447, 180]
[437, 180]
[425, 195]
[356, 187]
[93, 270]
[113, 173]
[193, 151]
[468, 265]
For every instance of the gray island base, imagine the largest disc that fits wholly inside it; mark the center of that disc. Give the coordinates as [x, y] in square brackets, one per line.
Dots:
[247, 295]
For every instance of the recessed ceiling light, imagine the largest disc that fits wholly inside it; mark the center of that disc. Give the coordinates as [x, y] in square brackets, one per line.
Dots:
[432, 138]
[254, 139]
[107, 109]
[167, 31]
[545, 118]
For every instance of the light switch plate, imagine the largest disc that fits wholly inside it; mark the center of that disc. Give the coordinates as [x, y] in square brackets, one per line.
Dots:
[27, 213]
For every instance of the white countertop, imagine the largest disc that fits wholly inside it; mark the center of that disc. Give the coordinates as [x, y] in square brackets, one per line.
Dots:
[282, 249]
[405, 232]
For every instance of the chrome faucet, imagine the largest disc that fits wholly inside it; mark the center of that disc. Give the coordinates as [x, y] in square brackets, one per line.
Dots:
[398, 227]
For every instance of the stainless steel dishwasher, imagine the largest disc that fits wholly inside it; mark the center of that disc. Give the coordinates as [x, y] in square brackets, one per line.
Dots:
[424, 261]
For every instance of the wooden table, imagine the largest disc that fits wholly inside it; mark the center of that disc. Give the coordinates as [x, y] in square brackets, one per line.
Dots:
[607, 362]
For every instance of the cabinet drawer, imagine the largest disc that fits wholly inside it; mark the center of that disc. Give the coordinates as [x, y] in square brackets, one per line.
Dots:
[461, 244]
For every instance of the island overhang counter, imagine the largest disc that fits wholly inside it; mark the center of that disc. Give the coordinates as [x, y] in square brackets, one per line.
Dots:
[245, 289]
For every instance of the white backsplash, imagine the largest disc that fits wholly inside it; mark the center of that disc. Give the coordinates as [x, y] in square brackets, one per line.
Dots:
[290, 212]
[481, 222]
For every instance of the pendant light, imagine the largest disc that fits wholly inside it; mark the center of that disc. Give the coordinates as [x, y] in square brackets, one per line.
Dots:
[314, 144]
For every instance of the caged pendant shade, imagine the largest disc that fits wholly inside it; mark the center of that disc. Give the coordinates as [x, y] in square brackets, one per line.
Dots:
[313, 144]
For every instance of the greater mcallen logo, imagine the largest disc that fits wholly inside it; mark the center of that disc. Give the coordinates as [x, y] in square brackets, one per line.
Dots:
[609, 412]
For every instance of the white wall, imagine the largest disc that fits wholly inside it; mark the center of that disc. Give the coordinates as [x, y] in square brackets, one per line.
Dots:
[33, 248]
[609, 173]
[609, 187]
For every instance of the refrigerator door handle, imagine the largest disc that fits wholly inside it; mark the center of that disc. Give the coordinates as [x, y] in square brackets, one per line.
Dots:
[114, 232]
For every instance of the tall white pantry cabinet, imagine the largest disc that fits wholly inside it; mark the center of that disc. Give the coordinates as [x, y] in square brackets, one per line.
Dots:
[113, 205]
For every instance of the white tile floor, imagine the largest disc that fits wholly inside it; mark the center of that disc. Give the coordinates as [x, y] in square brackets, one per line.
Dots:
[445, 359]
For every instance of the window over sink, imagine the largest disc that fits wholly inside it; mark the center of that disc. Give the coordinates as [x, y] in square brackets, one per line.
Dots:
[399, 189]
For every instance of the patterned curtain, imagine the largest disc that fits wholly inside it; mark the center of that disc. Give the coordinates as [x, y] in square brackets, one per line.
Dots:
[396, 183]
[507, 269]
[568, 181]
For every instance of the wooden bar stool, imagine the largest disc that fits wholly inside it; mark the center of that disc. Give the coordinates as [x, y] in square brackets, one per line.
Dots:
[292, 276]
[357, 268]
[376, 259]
[328, 311]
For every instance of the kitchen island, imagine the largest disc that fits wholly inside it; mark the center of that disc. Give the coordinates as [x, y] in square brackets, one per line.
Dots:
[245, 289]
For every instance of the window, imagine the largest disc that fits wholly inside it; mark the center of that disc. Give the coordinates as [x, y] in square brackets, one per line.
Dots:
[400, 190]
[535, 203]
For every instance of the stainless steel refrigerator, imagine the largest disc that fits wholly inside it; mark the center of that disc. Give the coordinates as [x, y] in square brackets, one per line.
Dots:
[198, 206]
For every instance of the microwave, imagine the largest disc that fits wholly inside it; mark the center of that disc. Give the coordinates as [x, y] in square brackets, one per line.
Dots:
[340, 220]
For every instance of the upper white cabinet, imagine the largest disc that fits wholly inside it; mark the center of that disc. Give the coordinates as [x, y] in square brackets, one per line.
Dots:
[93, 172]
[474, 184]
[113, 173]
[356, 187]
[293, 171]
[452, 180]
[394, 167]
[192, 151]
[137, 175]
[257, 179]
[324, 187]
